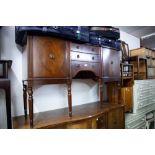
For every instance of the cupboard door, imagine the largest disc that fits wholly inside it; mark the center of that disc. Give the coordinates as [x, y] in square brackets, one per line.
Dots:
[102, 122]
[127, 98]
[50, 59]
[116, 118]
[110, 63]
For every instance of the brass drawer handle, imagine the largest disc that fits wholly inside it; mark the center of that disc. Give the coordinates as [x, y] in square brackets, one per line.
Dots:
[78, 65]
[78, 56]
[51, 56]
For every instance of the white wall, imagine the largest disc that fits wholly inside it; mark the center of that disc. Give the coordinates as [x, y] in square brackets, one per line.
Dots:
[46, 97]
[132, 41]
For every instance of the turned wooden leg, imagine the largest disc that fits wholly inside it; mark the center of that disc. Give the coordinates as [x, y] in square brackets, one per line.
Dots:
[25, 99]
[8, 104]
[119, 93]
[69, 98]
[30, 101]
[100, 82]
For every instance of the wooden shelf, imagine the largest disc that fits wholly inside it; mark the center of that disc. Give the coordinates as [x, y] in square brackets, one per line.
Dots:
[127, 77]
[51, 118]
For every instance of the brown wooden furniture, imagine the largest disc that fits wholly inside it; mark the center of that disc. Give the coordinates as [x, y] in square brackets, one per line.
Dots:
[5, 84]
[48, 60]
[110, 64]
[140, 67]
[87, 116]
[127, 74]
[127, 78]
[4, 66]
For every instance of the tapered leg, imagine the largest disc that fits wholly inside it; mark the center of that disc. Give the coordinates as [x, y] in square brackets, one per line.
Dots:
[30, 101]
[25, 99]
[8, 105]
[100, 82]
[69, 98]
[119, 93]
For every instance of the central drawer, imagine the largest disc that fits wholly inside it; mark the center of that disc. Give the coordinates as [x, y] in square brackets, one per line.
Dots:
[84, 57]
[78, 66]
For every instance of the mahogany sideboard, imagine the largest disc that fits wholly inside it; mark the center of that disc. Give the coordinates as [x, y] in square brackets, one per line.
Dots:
[50, 60]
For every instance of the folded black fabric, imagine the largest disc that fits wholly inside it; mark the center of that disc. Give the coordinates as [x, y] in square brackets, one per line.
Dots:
[75, 33]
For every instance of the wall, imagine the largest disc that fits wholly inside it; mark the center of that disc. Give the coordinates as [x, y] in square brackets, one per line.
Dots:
[132, 41]
[46, 97]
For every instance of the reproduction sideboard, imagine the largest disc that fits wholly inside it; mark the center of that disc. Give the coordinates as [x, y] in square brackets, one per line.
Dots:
[51, 60]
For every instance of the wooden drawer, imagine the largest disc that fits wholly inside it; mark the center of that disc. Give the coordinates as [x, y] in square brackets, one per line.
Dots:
[84, 57]
[85, 124]
[78, 66]
[84, 48]
[50, 58]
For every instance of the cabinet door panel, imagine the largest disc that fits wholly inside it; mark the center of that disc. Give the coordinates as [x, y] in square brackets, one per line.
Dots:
[111, 63]
[102, 122]
[127, 98]
[49, 58]
[116, 118]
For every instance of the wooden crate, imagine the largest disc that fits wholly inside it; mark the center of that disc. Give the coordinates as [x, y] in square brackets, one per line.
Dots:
[141, 52]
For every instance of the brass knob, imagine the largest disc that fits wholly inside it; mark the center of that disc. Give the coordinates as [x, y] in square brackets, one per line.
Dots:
[51, 56]
[78, 56]
[78, 65]
[93, 58]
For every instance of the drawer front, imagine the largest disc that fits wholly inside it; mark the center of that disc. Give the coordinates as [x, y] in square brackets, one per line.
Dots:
[50, 58]
[84, 48]
[78, 66]
[86, 124]
[84, 57]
